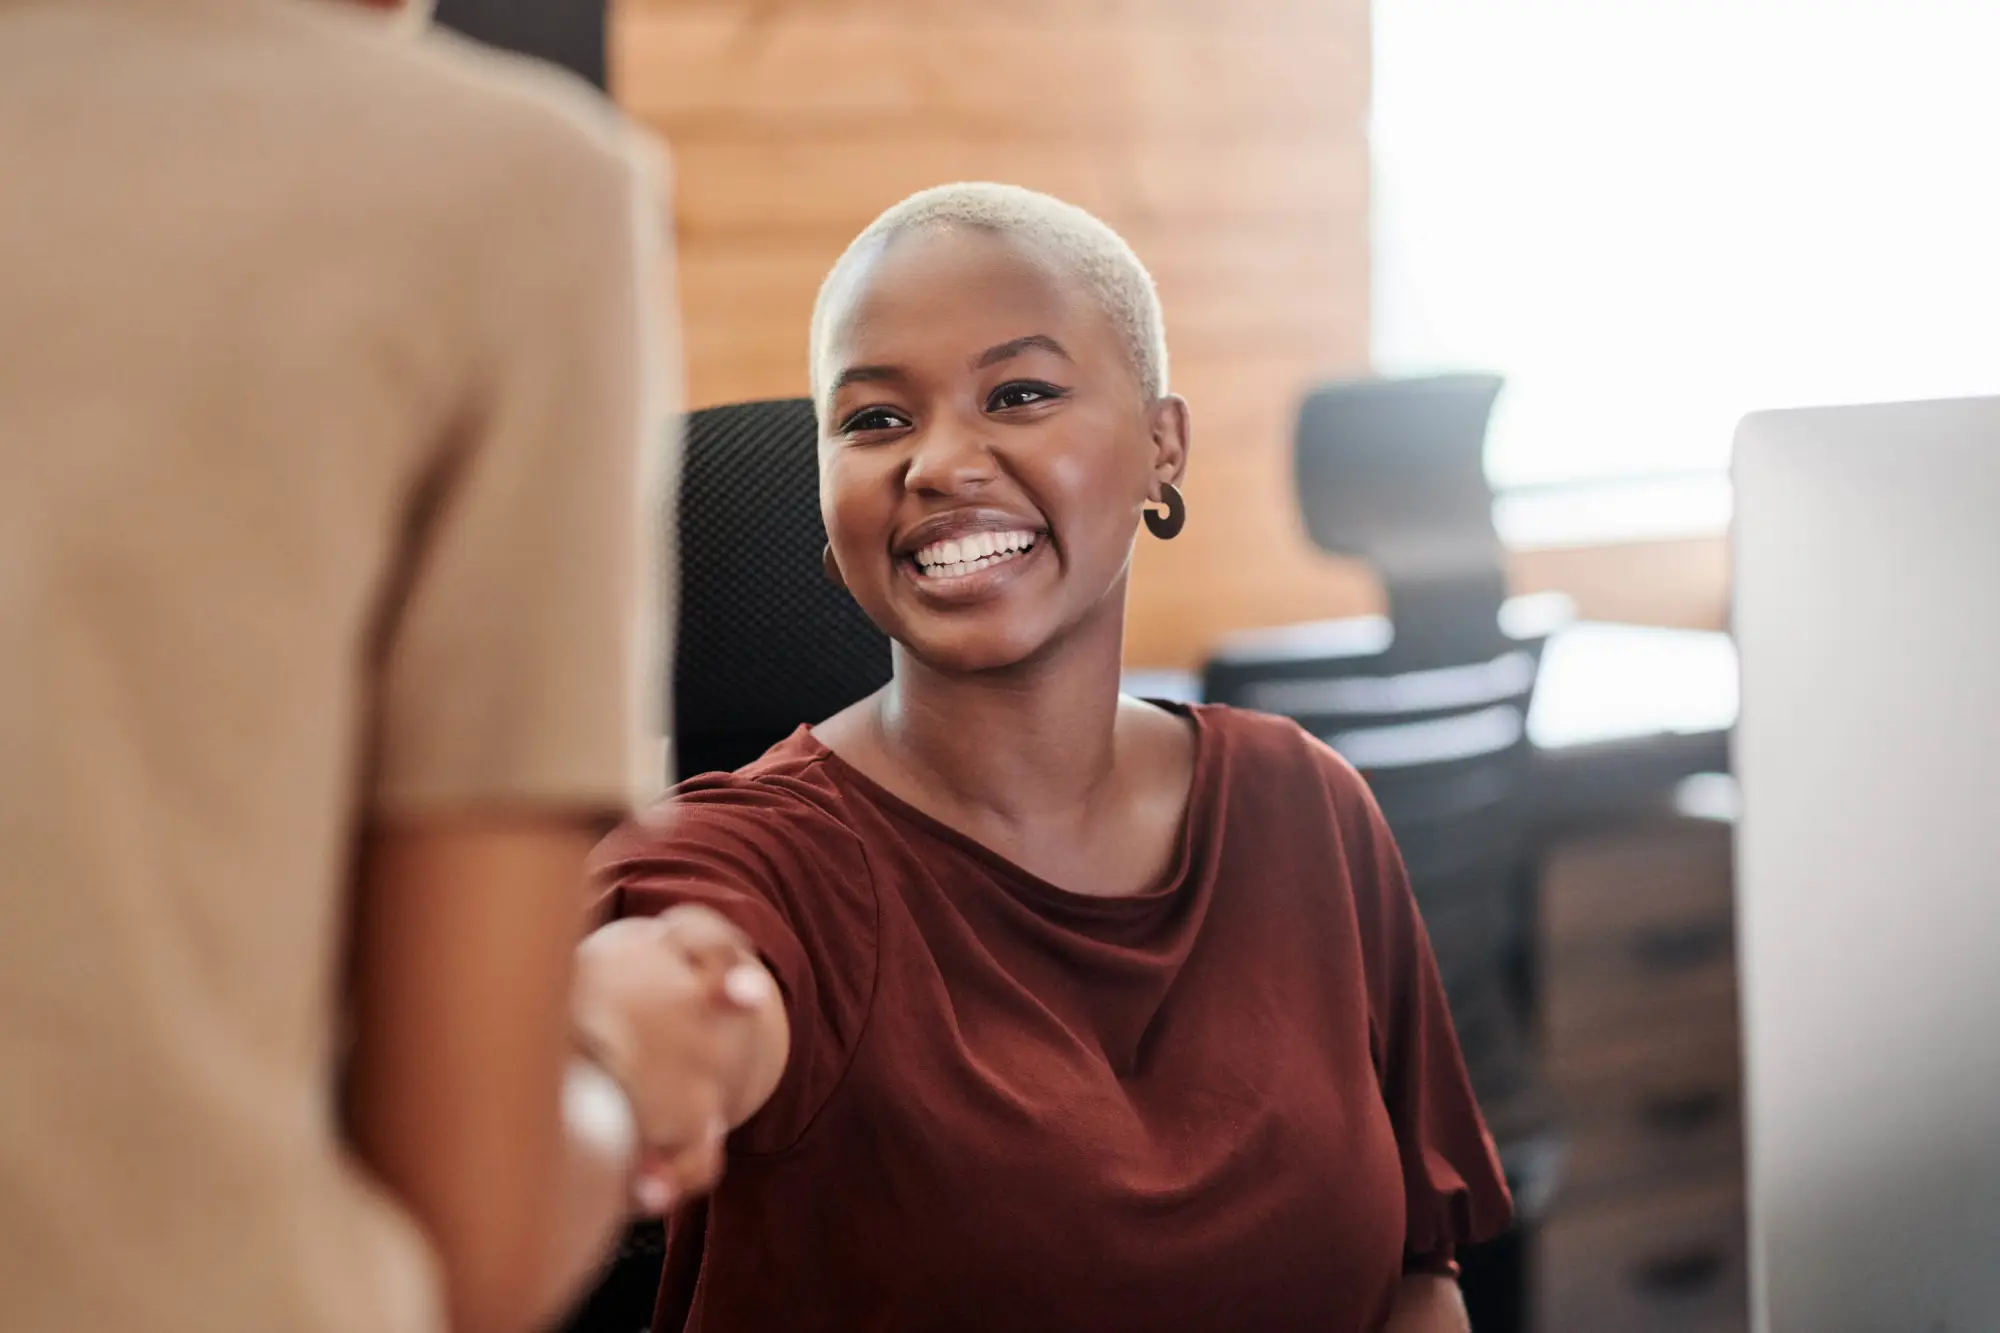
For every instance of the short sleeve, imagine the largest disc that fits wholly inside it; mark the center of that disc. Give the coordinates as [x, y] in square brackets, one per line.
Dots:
[520, 663]
[792, 878]
[1455, 1192]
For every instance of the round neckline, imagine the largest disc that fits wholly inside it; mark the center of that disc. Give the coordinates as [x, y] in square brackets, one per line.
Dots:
[1027, 882]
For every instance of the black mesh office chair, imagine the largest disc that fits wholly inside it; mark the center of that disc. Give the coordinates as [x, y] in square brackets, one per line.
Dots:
[764, 644]
[1430, 703]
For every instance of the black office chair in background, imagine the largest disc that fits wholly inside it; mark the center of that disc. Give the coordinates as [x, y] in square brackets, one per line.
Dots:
[1392, 471]
[764, 644]
[766, 641]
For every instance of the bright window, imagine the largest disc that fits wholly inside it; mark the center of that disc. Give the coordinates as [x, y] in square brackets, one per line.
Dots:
[1655, 215]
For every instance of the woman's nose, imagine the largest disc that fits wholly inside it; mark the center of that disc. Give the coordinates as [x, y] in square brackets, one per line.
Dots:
[949, 458]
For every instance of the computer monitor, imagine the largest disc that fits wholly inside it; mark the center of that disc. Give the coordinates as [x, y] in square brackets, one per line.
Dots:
[1867, 611]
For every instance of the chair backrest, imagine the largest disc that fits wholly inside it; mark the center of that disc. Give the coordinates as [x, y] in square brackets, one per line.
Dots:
[765, 641]
[1392, 471]
[1431, 703]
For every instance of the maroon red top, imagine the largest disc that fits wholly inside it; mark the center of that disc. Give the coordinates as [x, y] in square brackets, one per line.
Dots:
[1235, 1101]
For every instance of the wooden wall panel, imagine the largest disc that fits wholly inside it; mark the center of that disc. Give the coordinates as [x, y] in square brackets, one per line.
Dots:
[1225, 138]
[1682, 583]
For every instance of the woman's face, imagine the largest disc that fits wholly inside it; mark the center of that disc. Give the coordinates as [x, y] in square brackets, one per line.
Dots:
[985, 448]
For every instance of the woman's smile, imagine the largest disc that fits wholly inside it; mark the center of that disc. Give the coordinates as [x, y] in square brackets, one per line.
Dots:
[974, 568]
[954, 558]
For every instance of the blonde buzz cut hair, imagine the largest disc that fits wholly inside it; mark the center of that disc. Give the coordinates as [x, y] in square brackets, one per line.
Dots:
[1080, 244]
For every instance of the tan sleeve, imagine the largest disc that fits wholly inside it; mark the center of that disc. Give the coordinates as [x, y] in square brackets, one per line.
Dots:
[524, 668]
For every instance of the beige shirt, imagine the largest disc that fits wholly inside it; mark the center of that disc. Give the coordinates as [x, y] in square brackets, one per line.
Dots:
[324, 376]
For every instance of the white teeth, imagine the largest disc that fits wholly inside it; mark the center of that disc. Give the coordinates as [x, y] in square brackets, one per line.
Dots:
[973, 552]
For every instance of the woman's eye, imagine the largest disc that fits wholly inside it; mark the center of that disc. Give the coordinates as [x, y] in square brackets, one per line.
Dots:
[873, 418]
[1021, 393]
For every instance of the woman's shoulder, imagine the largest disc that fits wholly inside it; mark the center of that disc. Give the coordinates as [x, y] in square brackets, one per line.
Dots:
[787, 802]
[1289, 793]
[1280, 785]
[795, 766]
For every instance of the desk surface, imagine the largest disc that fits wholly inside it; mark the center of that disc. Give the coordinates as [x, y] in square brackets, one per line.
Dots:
[1603, 683]
[1622, 715]
[1600, 684]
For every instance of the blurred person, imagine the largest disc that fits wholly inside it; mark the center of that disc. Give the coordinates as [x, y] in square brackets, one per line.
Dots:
[1100, 1014]
[325, 380]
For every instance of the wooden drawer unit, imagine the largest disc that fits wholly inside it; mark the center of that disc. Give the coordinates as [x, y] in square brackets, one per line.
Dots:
[1659, 876]
[1638, 940]
[1615, 1018]
[1667, 1263]
[1638, 1005]
[1654, 1124]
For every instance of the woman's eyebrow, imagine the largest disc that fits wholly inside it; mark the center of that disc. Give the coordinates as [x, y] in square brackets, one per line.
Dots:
[864, 375]
[1013, 347]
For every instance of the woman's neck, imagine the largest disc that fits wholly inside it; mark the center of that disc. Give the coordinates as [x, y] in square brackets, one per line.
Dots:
[1016, 745]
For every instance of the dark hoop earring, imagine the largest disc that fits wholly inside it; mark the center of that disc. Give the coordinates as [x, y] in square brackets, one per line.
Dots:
[1168, 526]
[830, 566]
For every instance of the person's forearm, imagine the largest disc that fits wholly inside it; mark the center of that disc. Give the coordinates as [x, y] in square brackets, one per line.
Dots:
[1427, 1303]
[459, 975]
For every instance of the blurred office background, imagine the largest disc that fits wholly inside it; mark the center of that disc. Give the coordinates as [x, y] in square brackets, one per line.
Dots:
[1467, 296]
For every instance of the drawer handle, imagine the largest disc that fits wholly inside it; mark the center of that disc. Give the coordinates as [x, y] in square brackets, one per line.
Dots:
[1681, 948]
[1682, 1114]
[1678, 1276]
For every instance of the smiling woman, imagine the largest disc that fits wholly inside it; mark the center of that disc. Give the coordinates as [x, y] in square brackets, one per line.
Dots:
[1101, 1014]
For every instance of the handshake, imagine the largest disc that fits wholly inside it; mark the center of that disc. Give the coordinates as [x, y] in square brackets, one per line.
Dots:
[676, 1013]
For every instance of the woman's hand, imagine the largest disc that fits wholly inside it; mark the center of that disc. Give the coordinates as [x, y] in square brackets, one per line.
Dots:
[1428, 1303]
[681, 1012]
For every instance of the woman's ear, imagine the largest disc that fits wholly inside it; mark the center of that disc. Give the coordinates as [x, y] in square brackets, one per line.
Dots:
[1170, 432]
